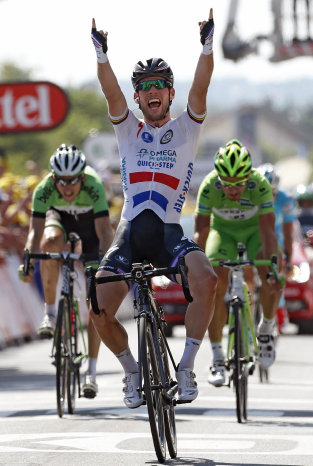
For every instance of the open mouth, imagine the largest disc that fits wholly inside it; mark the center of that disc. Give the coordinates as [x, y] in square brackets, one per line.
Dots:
[154, 103]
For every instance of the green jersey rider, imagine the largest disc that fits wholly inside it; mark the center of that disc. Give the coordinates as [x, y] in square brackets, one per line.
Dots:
[235, 204]
[70, 198]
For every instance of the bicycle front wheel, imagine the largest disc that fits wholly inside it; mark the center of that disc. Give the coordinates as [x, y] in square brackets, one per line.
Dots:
[239, 375]
[61, 358]
[152, 388]
[168, 407]
[72, 377]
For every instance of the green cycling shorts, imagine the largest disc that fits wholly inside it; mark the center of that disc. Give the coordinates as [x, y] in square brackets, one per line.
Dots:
[222, 242]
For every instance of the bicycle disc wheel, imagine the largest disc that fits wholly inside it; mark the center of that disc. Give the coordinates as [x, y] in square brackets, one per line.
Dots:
[72, 376]
[152, 390]
[169, 411]
[61, 358]
[240, 377]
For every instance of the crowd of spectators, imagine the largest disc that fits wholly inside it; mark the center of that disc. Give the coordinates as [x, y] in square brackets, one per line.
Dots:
[15, 206]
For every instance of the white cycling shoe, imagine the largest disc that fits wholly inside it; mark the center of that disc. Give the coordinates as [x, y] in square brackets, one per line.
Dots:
[266, 353]
[132, 398]
[47, 327]
[216, 375]
[90, 386]
[187, 386]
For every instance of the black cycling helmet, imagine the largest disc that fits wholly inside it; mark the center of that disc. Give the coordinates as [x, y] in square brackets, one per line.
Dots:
[153, 67]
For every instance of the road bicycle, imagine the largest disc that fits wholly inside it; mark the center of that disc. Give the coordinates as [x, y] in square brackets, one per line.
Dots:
[154, 355]
[242, 346]
[69, 347]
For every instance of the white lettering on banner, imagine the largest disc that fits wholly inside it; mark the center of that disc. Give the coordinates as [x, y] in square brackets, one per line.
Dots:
[7, 110]
[27, 110]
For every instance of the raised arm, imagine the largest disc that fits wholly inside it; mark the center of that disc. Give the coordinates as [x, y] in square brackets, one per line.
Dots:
[204, 70]
[116, 100]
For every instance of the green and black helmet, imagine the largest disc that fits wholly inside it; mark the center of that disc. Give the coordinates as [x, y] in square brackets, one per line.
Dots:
[233, 160]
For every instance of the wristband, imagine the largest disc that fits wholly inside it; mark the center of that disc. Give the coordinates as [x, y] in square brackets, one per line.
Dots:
[100, 44]
[207, 37]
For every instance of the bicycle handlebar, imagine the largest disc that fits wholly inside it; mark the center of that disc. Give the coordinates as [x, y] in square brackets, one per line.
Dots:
[138, 273]
[271, 263]
[56, 256]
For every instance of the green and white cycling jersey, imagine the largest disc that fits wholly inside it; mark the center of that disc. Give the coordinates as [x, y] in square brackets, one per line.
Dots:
[257, 198]
[234, 221]
[91, 199]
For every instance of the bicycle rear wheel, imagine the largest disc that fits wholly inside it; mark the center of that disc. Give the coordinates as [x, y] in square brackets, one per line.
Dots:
[152, 388]
[61, 358]
[169, 411]
[239, 375]
[73, 377]
[263, 373]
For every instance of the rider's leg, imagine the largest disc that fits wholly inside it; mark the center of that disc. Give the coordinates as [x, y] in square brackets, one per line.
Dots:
[90, 386]
[52, 241]
[110, 330]
[220, 311]
[93, 342]
[269, 297]
[216, 375]
[114, 336]
[202, 282]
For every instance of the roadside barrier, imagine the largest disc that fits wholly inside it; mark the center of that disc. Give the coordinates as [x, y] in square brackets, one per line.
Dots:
[21, 305]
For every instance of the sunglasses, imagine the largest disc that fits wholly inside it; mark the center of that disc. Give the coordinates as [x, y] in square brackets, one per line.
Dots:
[235, 184]
[146, 85]
[73, 181]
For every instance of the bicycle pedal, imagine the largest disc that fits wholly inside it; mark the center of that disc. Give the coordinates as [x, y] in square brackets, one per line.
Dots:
[181, 402]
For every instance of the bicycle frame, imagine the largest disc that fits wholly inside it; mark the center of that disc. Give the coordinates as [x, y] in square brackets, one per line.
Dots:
[147, 309]
[67, 291]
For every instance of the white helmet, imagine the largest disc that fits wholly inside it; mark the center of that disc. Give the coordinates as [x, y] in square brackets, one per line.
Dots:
[268, 170]
[67, 161]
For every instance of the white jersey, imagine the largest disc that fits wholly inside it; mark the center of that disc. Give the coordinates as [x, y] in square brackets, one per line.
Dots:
[156, 163]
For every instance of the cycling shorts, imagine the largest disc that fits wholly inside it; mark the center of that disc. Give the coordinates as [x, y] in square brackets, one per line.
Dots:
[82, 224]
[146, 238]
[222, 242]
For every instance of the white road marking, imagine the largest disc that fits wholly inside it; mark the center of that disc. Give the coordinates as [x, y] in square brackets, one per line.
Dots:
[109, 442]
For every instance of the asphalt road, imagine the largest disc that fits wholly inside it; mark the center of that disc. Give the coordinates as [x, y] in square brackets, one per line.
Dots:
[104, 432]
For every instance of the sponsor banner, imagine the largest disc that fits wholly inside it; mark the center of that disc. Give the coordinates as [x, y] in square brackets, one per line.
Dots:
[31, 106]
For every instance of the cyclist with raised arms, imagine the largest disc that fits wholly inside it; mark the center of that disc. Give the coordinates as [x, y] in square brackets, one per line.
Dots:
[235, 204]
[157, 156]
[71, 198]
